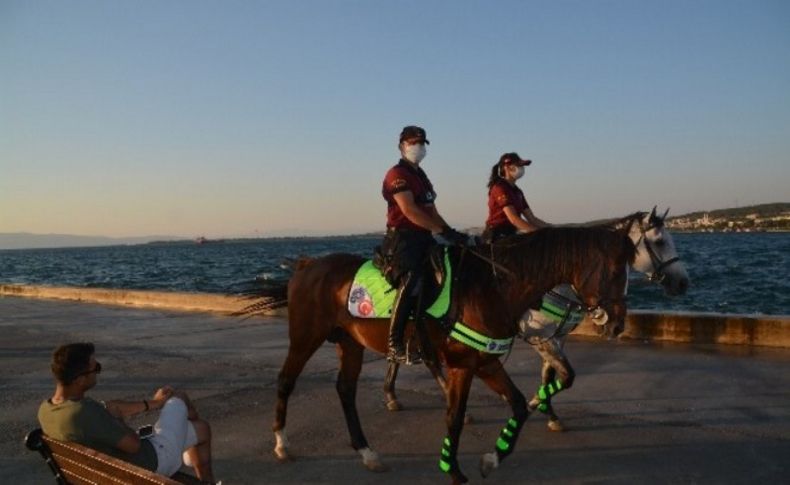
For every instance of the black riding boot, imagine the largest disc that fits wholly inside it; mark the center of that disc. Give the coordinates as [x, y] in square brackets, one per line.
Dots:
[401, 311]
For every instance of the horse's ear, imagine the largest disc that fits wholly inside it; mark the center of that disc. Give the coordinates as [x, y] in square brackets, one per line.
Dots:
[665, 215]
[653, 213]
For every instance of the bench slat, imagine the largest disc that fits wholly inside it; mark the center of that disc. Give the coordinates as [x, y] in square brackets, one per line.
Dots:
[84, 465]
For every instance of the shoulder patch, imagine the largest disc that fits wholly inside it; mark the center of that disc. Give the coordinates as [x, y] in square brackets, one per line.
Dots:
[398, 184]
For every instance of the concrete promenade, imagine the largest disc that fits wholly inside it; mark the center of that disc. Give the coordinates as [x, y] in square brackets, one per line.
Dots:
[640, 412]
[713, 328]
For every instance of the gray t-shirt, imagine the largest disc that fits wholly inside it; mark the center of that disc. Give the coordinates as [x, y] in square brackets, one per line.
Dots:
[88, 423]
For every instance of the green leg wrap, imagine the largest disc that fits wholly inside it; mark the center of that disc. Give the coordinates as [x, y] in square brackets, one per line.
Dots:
[447, 460]
[545, 393]
[507, 437]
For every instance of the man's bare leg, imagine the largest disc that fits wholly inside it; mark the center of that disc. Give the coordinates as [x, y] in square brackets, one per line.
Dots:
[200, 454]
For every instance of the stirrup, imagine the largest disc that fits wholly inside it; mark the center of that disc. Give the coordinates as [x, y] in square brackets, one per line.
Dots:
[412, 358]
[405, 358]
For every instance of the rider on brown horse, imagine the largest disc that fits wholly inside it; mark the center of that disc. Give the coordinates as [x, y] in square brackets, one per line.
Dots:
[411, 219]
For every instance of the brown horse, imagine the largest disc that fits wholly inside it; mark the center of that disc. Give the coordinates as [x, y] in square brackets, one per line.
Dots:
[490, 303]
[656, 258]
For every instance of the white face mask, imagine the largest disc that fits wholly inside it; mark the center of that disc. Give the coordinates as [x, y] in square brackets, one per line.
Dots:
[518, 173]
[414, 153]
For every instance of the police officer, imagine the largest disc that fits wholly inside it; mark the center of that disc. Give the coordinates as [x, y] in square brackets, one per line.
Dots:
[412, 218]
[508, 210]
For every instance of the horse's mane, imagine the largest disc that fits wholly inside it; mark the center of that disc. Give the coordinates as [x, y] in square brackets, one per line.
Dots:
[563, 250]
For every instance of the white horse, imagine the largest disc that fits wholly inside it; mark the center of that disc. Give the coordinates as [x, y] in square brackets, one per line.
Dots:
[560, 312]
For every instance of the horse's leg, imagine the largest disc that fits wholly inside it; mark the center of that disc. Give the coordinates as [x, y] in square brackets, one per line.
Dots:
[286, 380]
[392, 374]
[495, 376]
[389, 387]
[557, 375]
[459, 380]
[350, 353]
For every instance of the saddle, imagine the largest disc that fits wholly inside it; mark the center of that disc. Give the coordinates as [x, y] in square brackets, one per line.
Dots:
[372, 296]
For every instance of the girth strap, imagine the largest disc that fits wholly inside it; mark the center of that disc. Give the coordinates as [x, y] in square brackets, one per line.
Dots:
[478, 341]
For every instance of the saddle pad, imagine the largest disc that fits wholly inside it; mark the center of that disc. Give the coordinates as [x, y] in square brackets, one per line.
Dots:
[371, 296]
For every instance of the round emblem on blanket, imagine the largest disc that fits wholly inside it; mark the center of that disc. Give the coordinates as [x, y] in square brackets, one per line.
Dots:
[492, 346]
[365, 308]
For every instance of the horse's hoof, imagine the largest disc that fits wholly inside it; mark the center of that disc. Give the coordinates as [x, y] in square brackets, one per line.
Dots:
[393, 405]
[468, 419]
[459, 477]
[555, 425]
[377, 467]
[372, 461]
[488, 463]
[282, 454]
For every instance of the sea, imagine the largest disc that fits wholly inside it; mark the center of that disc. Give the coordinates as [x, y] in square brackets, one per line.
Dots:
[731, 273]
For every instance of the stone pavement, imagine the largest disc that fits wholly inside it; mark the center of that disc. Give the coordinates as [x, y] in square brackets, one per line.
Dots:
[638, 412]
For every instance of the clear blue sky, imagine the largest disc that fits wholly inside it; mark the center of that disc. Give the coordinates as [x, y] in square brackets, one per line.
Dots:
[226, 118]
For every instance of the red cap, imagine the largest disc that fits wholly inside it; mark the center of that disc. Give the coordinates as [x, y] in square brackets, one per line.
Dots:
[512, 158]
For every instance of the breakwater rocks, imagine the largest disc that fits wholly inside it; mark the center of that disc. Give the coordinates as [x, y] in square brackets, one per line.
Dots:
[701, 328]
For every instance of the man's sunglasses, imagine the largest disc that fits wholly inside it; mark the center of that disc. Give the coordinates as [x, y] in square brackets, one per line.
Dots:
[96, 369]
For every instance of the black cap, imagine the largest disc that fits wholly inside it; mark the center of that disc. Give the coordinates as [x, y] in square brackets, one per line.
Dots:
[512, 158]
[412, 132]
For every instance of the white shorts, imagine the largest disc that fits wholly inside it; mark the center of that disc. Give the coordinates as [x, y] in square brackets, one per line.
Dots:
[173, 433]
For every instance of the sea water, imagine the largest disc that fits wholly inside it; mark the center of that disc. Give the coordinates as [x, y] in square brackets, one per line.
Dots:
[736, 273]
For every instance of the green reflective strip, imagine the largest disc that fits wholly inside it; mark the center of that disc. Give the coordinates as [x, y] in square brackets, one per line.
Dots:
[480, 342]
[507, 432]
[542, 392]
[543, 407]
[558, 385]
[465, 340]
[552, 310]
[471, 333]
[502, 445]
[442, 303]
[446, 442]
[550, 387]
[444, 466]
[512, 423]
[446, 452]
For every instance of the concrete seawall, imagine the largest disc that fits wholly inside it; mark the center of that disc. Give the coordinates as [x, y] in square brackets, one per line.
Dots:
[700, 328]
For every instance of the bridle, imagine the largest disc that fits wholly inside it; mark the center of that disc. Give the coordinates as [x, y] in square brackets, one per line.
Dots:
[657, 275]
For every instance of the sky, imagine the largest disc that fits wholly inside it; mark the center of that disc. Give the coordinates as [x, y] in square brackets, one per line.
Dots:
[256, 118]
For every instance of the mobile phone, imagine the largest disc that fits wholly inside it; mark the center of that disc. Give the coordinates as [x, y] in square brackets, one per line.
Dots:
[145, 431]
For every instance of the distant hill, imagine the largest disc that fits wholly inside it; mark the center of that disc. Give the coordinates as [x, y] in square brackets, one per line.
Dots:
[763, 211]
[24, 240]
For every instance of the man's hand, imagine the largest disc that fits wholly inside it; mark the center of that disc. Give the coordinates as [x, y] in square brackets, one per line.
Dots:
[454, 237]
[161, 396]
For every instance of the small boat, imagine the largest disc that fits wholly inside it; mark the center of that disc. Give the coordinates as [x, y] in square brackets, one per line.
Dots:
[203, 240]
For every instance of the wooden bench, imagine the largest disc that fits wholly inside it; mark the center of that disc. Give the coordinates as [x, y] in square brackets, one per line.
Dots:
[74, 464]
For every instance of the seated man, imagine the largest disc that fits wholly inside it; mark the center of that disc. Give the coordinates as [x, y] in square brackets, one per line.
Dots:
[69, 415]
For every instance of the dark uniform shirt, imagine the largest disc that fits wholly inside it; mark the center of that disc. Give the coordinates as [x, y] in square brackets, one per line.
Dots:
[400, 178]
[501, 195]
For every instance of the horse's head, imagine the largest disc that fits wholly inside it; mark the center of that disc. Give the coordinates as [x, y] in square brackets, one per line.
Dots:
[656, 255]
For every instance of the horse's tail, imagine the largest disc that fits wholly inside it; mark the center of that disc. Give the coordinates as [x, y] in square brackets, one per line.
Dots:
[264, 300]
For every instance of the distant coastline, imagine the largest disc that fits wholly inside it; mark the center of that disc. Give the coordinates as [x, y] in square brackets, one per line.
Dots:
[762, 218]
